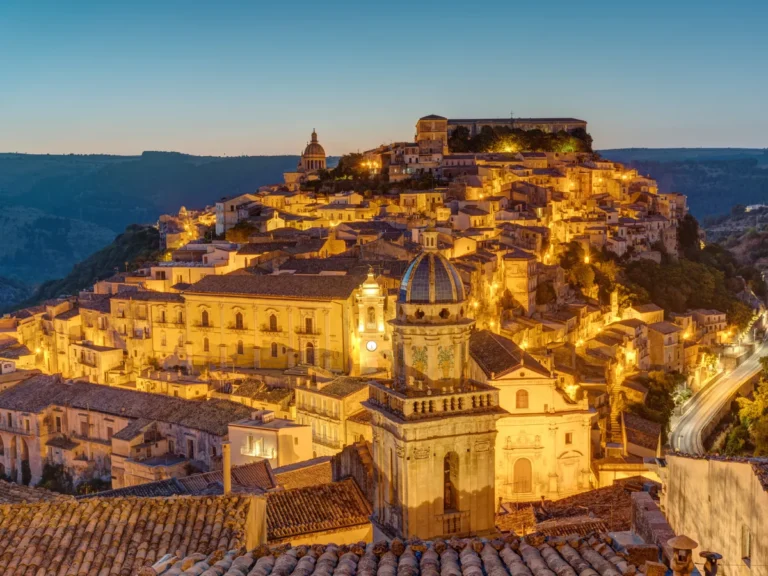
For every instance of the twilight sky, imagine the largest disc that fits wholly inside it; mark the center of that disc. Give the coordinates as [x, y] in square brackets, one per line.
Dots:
[255, 77]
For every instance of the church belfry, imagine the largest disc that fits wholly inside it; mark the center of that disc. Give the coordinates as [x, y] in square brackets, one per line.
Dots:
[434, 430]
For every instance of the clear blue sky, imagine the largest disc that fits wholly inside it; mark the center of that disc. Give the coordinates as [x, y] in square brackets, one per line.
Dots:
[255, 77]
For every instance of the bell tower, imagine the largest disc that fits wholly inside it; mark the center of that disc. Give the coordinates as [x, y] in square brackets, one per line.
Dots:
[434, 430]
[375, 349]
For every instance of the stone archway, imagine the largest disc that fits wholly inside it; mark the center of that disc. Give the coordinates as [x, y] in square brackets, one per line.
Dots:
[26, 471]
[12, 459]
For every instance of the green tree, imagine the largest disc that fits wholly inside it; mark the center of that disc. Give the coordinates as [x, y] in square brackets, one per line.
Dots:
[545, 293]
[737, 440]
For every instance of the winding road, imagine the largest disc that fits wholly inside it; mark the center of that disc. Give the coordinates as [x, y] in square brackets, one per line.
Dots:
[686, 436]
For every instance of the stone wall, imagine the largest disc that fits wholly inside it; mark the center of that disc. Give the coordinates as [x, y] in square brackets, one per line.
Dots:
[650, 524]
[356, 462]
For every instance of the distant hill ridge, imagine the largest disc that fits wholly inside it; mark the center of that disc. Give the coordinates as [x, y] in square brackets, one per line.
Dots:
[714, 179]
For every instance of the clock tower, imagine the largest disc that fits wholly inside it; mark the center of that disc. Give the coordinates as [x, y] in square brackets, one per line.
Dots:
[375, 345]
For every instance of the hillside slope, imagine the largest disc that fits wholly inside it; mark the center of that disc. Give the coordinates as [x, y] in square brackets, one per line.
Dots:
[37, 246]
[138, 244]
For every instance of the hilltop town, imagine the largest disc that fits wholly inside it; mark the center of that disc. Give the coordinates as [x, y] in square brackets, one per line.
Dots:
[485, 330]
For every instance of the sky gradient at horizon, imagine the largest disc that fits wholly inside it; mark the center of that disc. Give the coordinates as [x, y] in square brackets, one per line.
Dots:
[255, 78]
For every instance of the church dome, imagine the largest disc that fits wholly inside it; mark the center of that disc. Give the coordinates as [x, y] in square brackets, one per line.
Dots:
[314, 149]
[431, 279]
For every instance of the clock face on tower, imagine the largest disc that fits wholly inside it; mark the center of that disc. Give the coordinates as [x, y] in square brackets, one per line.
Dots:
[370, 345]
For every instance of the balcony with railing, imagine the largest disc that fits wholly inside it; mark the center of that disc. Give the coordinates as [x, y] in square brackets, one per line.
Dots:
[242, 327]
[308, 331]
[14, 429]
[319, 410]
[414, 403]
[326, 441]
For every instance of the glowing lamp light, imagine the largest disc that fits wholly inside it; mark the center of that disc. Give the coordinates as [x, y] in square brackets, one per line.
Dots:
[586, 259]
[38, 350]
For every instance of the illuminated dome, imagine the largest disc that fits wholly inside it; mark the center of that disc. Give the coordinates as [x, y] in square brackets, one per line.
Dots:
[314, 149]
[431, 279]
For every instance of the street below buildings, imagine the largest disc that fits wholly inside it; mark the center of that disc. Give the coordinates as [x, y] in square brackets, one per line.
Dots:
[687, 435]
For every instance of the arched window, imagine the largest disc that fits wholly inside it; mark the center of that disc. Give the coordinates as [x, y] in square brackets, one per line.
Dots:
[451, 482]
[206, 345]
[523, 476]
[274, 350]
[308, 325]
[180, 341]
[521, 399]
[239, 321]
[371, 317]
[180, 319]
[204, 318]
[240, 347]
[162, 316]
[272, 323]
[162, 338]
[310, 354]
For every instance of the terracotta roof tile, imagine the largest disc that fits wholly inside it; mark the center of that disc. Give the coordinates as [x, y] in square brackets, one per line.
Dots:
[303, 474]
[39, 392]
[116, 536]
[534, 554]
[253, 478]
[302, 511]
[282, 285]
[12, 493]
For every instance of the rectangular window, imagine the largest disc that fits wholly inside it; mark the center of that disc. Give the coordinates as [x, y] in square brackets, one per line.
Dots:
[746, 545]
[569, 437]
[109, 432]
[84, 429]
[171, 447]
[26, 424]
[190, 448]
[58, 423]
[10, 420]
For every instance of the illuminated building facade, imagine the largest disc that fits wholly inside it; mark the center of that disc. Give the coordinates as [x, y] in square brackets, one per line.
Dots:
[434, 430]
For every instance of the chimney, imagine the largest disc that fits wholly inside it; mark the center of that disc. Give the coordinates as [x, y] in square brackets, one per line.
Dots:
[225, 447]
[710, 568]
[682, 555]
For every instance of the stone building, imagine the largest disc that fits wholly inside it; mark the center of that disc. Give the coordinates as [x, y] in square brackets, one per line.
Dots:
[313, 157]
[326, 408]
[543, 447]
[97, 431]
[434, 430]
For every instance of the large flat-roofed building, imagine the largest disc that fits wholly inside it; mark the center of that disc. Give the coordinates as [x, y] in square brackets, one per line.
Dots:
[475, 125]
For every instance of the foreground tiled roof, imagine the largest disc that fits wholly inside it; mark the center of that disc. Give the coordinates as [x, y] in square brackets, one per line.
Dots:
[39, 392]
[303, 511]
[534, 554]
[116, 536]
[280, 286]
[12, 493]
